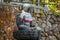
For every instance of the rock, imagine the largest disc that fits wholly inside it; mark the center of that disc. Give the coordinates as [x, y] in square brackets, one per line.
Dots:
[49, 24]
[59, 27]
[59, 36]
[57, 22]
[43, 17]
[43, 25]
[43, 38]
[51, 21]
[48, 17]
[55, 30]
[47, 38]
[52, 38]
[42, 35]
[54, 18]
[54, 26]
[40, 22]
[58, 19]
[46, 29]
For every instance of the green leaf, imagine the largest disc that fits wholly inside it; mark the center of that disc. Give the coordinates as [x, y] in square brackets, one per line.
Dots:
[52, 7]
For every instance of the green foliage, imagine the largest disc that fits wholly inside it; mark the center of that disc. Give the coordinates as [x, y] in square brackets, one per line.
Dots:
[34, 1]
[52, 0]
[53, 4]
[41, 12]
[52, 7]
[57, 14]
[46, 14]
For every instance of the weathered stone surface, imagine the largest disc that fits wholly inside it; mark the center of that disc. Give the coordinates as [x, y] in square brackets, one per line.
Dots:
[51, 21]
[43, 25]
[43, 38]
[54, 18]
[59, 27]
[43, 17]
[52, 38]
[51, 27]
[58, 19]
[59, 36]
